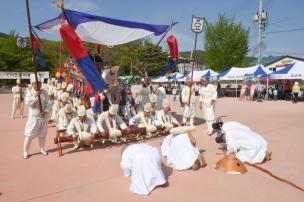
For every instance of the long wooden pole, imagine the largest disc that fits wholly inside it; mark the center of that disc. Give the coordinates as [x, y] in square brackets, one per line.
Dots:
[193, 62]
[33, 52]
[154, 48]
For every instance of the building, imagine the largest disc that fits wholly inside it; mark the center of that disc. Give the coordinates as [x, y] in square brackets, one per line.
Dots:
[282, 62]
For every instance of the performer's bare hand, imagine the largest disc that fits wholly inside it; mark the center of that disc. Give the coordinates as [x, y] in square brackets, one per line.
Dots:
[200, 106]
[43, 114]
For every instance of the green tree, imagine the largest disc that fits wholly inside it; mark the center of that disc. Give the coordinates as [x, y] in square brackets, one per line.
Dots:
[226, 44]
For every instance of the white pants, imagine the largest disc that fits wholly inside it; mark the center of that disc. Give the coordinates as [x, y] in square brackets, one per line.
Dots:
[17, 104]
[36, 127]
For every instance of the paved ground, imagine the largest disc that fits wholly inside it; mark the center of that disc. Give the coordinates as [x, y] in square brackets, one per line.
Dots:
[94, 175]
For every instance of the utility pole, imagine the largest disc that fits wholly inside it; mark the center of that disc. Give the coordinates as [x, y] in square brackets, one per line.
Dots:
[261, 19]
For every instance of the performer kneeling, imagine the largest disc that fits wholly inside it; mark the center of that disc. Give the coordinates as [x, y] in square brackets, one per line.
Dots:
[82, 128]
[180, 150]
[143, 163]
[247, 145]
[111, 122]
[144, 119]
[165, 117]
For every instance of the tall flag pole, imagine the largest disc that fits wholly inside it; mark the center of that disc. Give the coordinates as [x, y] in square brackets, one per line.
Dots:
[197, 27]
[33, 52]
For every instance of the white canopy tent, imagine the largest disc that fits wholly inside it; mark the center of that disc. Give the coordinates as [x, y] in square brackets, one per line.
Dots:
[164, 79]
[198, 74]
[238, 73]
[292, 71]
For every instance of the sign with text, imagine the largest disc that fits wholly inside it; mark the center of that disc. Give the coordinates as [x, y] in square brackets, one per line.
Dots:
[24, 75]
[197, 24]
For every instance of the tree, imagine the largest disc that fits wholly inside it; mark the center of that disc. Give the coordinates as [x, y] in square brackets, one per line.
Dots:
[226, 44]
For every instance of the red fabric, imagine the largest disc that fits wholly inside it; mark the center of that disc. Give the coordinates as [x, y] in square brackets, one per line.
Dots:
[98, 48]
[73, 42]
[173, 47]
[97, 97]
[35, 42]
[89, 89]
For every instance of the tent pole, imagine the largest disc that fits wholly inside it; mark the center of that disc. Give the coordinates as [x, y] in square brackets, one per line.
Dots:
[267, 87]
[236, 88]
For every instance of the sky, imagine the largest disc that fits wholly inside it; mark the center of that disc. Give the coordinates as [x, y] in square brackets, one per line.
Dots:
[284, 32]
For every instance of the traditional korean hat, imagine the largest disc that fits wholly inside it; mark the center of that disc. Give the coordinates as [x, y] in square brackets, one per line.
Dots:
[203, 78]
[230, 165]
[70, 88]
[65, 96]
[68, 108]
[18, 81]
[147, 107]
[182, 129]
[32, 78]
[64, 85]
[166, 103]
[113, 109]
[82, 111]
[58, 86]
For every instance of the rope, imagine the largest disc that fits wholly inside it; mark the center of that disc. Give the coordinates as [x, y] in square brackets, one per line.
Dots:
[274, 176]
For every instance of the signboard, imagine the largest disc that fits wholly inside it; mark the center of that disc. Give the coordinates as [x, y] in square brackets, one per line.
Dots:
[21, 42]
[24, 75]
[250, 77]
[197, 24]
[214, 79]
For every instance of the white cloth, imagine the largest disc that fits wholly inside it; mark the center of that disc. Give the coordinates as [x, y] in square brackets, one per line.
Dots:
[161, 95]
[90, 114]
[179, 151]
[104, 123]
[143, 163]
[64, 119]
[37, 125]
[207, 95]
[189, 111]
[76, 126]
[145, 96]
[166, 120]
[247, 145]
[17, 102]
[142, 120]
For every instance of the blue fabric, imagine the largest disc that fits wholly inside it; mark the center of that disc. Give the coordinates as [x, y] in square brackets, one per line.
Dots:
[90, 72]
[77, 18]
[285, 70]
[223, 73]
[40, 58]
[259, 71]
[96, 107]
[169, 67]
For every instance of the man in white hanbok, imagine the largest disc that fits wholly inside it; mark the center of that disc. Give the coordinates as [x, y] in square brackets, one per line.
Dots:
[144, 119]
[65, 116]
[165, 117]
[161, 95]
[180, 150]
[143, 163]
[37, 122]
[82, 128]
[189, 111]
[207, 100]
[18, 103]
[247, 145]
[110, 121]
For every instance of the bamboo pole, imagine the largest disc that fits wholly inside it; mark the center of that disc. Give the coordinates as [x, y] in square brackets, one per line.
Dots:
[33, 52]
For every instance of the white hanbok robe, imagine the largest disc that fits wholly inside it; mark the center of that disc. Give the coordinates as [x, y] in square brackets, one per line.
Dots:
[207, 94]
[84, 130]
[141, 121]
[179, 151]
[64, 119]
[189, 111]
[37, 125]
[104, 123]
[161, 95]
[166, 120]
[145, 96]
[247, 145]
[143, 163]
[18, 103]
